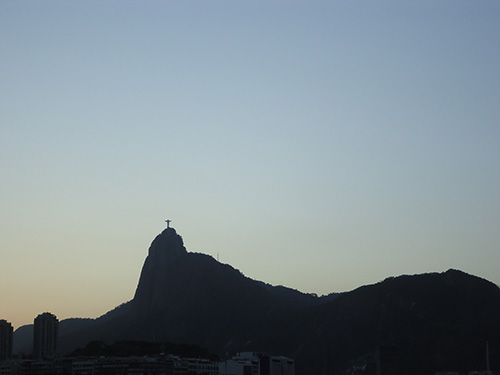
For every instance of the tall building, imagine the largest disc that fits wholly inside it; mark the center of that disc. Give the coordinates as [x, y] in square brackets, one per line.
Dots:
[6, 340]
[45, 336]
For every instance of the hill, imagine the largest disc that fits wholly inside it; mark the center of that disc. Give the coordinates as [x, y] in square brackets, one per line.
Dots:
[429, 323]
[416, 324]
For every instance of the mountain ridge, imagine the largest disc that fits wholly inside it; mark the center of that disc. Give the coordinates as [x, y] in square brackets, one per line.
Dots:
[191, 298]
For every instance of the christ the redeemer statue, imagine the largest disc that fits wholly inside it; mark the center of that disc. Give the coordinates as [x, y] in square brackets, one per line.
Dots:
[168, 223]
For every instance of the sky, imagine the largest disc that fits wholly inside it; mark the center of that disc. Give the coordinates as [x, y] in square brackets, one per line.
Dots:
[320, 145]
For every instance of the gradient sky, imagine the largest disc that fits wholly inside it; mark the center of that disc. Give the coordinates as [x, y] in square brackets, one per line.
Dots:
[320, 145]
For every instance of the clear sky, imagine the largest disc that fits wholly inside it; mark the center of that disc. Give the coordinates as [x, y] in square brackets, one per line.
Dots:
[320, 145]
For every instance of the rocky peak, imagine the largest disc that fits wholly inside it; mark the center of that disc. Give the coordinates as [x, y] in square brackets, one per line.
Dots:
[167, 243]
[165, 251]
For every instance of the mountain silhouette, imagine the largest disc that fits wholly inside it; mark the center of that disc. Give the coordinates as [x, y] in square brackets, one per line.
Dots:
[192, 298]
[427, 323]
[183, 294]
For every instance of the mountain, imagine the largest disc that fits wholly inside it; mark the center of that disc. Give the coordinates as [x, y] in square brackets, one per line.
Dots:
[413, 324]
[183, 294]
[192, 298]
[430, 322]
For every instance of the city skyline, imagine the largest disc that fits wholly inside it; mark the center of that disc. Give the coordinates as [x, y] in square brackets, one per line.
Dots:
[321, 146]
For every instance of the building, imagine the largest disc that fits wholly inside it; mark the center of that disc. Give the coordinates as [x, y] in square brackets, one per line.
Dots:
[254, 363]
[6, 340]
[276, 365]
[201, 366]
[45, 336]
[246, 363]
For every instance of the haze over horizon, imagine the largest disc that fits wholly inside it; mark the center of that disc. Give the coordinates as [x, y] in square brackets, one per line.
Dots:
[321, 146]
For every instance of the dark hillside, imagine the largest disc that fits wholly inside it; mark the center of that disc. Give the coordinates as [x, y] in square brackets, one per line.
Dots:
[435, 322]
[192, 298]
[419, 324]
